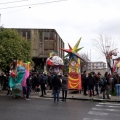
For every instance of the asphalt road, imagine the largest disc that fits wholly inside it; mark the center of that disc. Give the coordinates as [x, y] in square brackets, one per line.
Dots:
[46, 109]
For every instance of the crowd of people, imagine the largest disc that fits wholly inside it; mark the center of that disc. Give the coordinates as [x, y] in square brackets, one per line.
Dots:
[95, 83]
[39, 83]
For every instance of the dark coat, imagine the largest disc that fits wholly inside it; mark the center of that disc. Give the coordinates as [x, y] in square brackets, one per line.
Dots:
[97, 78]
[107, 80]
[44, 79]
[91, 81]
[84, 79]
[29, 81]
[64, 83]
[56, 83]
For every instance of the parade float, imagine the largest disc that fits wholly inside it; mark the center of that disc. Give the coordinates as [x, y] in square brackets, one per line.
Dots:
[116, 65]
[54, 63]
[18, 76]
[112, 64]
[74, 74]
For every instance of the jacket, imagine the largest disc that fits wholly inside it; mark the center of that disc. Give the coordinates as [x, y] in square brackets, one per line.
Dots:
[91, 81]
[56, 83]
[29, 81]
[64, 83]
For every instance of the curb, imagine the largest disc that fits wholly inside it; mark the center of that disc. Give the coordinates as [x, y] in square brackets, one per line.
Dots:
[89, 99]
[82, 99]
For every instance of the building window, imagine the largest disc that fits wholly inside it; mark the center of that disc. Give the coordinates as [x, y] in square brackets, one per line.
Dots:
[97, 64]
[40, 34]
[24, 34]
[28, 35]
[52, 35]
[40, 37]
[101, 65]
[46, 35]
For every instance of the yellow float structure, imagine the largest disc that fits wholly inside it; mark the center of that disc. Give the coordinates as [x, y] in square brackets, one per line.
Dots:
[74, 67]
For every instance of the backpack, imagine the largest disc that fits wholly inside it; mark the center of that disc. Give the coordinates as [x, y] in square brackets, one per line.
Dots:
[101, 82]
[44, 80]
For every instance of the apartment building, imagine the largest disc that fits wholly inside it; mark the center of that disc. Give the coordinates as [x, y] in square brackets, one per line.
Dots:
[96, 65]
[43, 41]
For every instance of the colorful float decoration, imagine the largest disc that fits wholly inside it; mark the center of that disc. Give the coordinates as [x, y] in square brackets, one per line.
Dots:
[54, 63]
[116, 65]
[18, 76]
[112, 65]
[74, 67]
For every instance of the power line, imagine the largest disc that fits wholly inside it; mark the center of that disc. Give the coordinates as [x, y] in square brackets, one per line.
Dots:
[13, 2]
[15, 11]
[34, 4]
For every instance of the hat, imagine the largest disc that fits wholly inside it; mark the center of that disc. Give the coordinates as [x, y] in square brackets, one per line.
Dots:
[99, 73]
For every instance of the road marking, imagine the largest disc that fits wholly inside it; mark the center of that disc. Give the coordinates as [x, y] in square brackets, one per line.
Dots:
[40, 97]
[109, 104]
[91, 119]
[112, 110]
[97, 113]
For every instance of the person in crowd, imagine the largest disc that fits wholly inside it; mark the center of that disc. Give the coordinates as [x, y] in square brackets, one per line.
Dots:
[115, 80]
[91, 83]
[106, 85]
[1, 79]
[97, 80]
[117, 85]
[36, 81]
[64, 87]
[28, 86]
[4, 79]
[9, 92]
[49, 81]
[81, 83]
[56, 83]
[43, 83]
[84, 82]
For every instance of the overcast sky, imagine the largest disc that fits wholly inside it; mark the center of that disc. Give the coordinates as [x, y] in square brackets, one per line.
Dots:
[72, 19]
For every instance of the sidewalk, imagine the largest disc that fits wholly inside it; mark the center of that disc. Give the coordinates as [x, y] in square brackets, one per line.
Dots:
[80, 96]
[72, 96]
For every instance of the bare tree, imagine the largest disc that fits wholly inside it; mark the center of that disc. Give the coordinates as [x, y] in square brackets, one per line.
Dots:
[105, 47]
[84, 64]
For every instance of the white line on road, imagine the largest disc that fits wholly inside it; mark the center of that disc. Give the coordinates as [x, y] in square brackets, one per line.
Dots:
[113, 110]
[91, 119]
[109, 104]
[97, 113]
